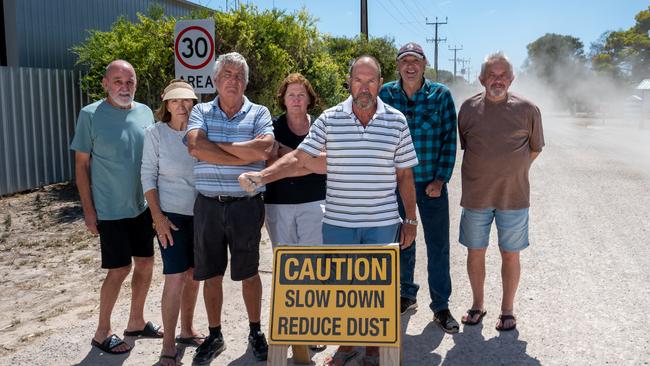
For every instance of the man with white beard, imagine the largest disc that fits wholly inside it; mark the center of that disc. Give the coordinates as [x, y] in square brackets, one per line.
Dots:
[501, 134]
[108, 145]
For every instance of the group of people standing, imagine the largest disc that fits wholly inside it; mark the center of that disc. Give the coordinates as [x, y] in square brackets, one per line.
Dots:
[214, 173]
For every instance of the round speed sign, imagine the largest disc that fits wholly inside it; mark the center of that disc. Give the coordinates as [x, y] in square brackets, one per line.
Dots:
[194, 47]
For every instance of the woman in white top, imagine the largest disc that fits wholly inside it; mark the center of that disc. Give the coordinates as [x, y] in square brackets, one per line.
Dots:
[168, 185]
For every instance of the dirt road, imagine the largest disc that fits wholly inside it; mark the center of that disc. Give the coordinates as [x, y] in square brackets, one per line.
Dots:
[582, 298]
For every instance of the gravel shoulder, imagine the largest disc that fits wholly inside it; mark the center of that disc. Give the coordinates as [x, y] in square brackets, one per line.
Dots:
[581, 300]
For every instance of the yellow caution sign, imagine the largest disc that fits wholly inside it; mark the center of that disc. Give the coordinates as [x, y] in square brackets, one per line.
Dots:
[335, 295]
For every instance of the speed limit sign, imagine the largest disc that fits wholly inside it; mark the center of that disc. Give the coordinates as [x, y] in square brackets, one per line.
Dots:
[194, 52]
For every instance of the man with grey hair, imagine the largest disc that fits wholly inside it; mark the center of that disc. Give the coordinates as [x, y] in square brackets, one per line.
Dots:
[369, 156]
[501, 134]
[108, 144]
[228, 136]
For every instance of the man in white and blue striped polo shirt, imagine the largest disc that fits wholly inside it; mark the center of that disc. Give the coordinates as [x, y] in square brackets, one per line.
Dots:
[369, 154]
[228, 136]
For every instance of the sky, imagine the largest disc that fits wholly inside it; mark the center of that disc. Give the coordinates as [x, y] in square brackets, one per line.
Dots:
[478, 27]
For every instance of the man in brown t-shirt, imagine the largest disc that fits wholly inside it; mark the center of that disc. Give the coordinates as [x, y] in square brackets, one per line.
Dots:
[501, 134]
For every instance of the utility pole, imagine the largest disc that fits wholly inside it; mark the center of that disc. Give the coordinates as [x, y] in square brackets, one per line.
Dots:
[455, 59]
[364, 19]
[436, 41]
[466, 64]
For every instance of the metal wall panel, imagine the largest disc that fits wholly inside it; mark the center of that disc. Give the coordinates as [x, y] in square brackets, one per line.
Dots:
[38, 112]
[46, 29]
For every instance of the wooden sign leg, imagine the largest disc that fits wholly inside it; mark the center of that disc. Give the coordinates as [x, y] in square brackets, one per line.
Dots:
[301, 354]
[277, 355]
[389, 356]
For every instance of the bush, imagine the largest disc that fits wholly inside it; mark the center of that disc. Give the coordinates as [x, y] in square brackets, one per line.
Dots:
[273, 42]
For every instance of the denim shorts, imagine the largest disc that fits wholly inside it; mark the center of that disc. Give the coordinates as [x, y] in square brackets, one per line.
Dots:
[512, 228]
[179, 257]
[337, 235]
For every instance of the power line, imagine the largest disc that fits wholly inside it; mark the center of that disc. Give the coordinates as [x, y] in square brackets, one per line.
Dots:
[407, 9]
[420, 9]
[393, 16]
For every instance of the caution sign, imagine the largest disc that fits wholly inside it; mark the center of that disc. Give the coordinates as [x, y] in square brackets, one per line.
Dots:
[335, 295]
[194, 52]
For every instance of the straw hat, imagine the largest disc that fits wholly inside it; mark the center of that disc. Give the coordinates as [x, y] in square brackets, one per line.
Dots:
[178, 90]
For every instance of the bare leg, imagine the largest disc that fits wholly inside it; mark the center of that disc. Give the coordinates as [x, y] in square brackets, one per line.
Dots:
[476, 273]
[107, 298]
[213, 297]
[252, 293]
[188, 304]
[140, 282]
[171, 303]
[510, 272]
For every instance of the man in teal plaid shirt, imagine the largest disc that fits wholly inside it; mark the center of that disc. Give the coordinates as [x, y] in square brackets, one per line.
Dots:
[431, 114]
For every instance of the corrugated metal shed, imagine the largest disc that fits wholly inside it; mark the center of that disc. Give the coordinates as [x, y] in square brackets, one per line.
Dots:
[644, 85]
[40, 33]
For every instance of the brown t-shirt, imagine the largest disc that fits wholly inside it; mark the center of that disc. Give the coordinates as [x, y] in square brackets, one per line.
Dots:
[497, 139]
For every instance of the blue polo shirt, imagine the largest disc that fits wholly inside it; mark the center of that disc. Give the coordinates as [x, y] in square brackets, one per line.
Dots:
[251, 121]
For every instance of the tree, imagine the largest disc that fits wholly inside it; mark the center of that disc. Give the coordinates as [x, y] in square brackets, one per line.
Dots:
[147, 45]
[551, 54]
[625, 53]
[343, 50]
[559, 62]
[273, 42]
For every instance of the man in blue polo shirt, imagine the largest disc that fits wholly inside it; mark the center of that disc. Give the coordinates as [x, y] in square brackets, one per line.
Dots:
[431, 115]
[228, 136]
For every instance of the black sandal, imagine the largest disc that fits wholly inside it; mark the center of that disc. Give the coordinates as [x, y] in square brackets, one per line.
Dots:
[109, 344]
[168, 357]
[471, 313]
[503, 318]
[150, 330]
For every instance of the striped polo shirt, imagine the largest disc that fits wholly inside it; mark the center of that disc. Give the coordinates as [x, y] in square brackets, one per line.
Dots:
[251, 121]
[361, 163]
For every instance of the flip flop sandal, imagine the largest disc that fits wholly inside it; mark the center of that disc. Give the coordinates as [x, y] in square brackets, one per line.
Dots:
[471, 313]
[168, 357]
[503, 318]
[343, 357]
[194, 341]
[109, 344]
[150, 330]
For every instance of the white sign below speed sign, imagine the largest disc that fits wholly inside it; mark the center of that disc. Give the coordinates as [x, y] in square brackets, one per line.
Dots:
[195, 53]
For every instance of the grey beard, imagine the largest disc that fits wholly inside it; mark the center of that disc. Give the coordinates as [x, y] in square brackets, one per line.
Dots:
[371, 102]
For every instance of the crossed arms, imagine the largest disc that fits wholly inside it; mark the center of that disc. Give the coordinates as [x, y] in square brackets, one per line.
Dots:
[228, 153]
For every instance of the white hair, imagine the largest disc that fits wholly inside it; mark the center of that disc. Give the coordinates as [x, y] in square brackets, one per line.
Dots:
[492, 58]
[232, 58]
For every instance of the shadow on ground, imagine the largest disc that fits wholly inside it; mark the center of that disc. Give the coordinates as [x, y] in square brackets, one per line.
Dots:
[470, 347]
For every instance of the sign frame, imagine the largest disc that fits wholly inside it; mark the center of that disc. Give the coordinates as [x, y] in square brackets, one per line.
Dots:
[195, 53]
[392, 326]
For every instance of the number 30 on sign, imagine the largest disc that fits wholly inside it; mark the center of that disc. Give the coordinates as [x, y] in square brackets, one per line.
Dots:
[194, 52]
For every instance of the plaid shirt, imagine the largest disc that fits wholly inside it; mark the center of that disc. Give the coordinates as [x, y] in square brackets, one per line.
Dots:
[431, 116]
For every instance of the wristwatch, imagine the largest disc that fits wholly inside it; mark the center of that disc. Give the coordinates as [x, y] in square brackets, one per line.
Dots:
[410, 222]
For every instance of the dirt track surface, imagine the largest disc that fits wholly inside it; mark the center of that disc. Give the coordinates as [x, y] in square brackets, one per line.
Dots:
[582, 298]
